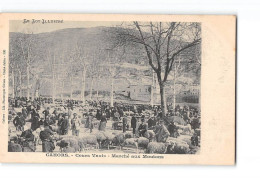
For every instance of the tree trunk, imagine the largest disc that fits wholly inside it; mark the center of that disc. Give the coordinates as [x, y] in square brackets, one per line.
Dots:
[91, 89]
[20, 83]
[174, 88]
[28, 82]
[152, 91]
[163, 100]
[112, 92]
[83, 85]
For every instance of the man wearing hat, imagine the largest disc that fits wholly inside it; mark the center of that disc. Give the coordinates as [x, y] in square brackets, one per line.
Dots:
[89, 122]
[151, 122]
[65, 124]
[28, 140]
[162, 133]
[133, 123]
[173, 129]
[46, 112]
[103, 122]
[75, 125]
[46, 137]
[35, 123]
[19, 122]
[24, 112]
[143, 127]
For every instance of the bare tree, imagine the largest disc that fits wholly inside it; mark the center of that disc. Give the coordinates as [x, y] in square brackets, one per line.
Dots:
[80, 57]
[26, 44]
[114, 57]
[163, 43]
[17, 65]
[51, 58]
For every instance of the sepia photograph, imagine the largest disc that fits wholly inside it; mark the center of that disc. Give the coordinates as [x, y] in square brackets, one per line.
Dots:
[108, 87]
[117, 89]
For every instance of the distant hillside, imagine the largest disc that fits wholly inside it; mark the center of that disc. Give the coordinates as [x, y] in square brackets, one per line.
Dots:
[62, 44]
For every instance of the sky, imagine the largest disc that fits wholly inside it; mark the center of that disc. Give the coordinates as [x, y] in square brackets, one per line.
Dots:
[19, 26]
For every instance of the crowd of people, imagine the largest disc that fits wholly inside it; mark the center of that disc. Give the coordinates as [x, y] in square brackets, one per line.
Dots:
[38, 122]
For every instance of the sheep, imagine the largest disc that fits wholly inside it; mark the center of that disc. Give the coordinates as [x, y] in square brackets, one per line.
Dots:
[150, 135]
[179, 146]
[143, 142]
[69, 141]
[81, 144]
[86, 140]
[101, 138]
[156, 148]
[119, 140]
[128, 135]
[69, 150]
[131, 142]
[185, 129]
[109, 139]
[13, 147]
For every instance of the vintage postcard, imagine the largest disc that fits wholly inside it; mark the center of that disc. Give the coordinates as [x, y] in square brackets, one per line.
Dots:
[117, 89]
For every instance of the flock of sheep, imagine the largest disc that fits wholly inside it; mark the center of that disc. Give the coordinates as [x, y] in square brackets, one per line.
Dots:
[116, 139]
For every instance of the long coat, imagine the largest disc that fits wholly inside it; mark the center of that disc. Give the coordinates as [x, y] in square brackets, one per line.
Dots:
[133, 122]
[19, 121]
[162, 134]
[142, 129]
[35, 123]
[47, 143]
[65, 124]
[102, 125]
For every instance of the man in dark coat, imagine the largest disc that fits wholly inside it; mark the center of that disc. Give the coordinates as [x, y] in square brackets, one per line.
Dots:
[19, 122]
[151, 122]
[65, 124]
[103, 122]
[143, 128]
[46, 137]
[50, 120]
[99, 114]
[172, 128]
[46, 112]
[35, 123]
[133, 123]
[28, 141]
[29, 108]
[89, 122]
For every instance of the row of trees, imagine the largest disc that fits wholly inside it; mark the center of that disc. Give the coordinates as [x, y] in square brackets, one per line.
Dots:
[166, 47]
